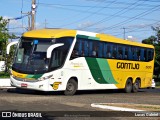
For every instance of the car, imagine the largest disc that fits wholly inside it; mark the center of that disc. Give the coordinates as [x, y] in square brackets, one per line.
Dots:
[153, 84]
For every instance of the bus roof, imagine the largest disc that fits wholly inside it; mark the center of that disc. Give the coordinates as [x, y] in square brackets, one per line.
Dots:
[57, 33]
[50, 33]
[109, 38]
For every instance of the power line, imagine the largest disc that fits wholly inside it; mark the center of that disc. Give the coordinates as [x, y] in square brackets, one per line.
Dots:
[117, 13]
[91, 14]
[61, 6]
[133, 18]
[135, 30]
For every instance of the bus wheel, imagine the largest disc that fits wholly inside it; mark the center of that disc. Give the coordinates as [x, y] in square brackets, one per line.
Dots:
[128, 86]
[71, 87]
[135, 86]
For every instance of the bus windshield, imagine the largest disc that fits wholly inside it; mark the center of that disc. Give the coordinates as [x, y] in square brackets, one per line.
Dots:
[30, 57]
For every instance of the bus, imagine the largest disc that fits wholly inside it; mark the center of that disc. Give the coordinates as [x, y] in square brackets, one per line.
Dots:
[70, 60]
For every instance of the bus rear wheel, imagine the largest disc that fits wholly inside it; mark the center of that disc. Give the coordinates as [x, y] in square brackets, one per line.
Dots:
[71, 87]
[135, 86]
[128, 86]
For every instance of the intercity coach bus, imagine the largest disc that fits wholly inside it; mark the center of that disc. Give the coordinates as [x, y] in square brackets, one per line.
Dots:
[70, 60]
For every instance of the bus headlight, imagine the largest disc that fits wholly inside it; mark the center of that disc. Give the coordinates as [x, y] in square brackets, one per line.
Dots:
[44, 78]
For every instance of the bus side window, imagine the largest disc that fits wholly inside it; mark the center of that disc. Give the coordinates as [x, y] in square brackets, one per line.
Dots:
[126, 53]
[90, 48]
[120, 52]
[105, 50]
[100, 48]
[75, 52]
[145, 54]
[150, 54]
[114, 53]
[138, 54]
[79, 47]
[130, 53]
[86, 47]
[142, 54]
[135, 53]
[95, 49]
[109, 50]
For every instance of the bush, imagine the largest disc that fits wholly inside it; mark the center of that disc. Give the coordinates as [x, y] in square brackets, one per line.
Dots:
[157, 84]
[4, 75]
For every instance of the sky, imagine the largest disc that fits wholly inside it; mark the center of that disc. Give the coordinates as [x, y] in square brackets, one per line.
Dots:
[135, 17]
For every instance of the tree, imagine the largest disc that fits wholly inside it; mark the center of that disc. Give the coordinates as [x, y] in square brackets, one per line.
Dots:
[4, 39]
[155, 40]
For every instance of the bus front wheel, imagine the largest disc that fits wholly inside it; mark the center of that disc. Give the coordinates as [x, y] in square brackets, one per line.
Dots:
[71, 87]
[128, 86]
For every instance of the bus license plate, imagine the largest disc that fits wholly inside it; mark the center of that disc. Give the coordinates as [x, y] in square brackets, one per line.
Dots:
[24, 85]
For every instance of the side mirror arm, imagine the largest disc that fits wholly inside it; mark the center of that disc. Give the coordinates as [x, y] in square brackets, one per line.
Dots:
[50, 49]
[9, 46]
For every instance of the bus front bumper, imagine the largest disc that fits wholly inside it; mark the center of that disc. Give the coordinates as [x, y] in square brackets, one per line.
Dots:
[38, 85]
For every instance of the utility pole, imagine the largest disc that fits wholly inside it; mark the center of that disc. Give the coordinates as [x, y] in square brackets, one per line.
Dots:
[33, 13]
[45, 23]
[29, 19]
[124, 33]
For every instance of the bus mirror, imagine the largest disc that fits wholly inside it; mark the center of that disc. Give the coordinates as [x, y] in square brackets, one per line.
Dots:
[50, 49]
[9, 46]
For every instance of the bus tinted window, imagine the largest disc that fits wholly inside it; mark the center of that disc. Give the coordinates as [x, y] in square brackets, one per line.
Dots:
[120, 52]
[114, 53]
[109, 50]
[105, 50]
[100, 49]
[95, 49]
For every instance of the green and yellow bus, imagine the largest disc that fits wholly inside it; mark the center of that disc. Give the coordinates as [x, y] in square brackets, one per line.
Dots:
[70, 60]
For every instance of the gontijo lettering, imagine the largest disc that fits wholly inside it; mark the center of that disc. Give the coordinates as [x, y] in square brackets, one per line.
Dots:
[122, 65]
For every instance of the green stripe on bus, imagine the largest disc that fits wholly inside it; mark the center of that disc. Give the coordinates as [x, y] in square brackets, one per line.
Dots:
[100, 71]
[34, 76]
[93, 38]
[106, 72]
[88, 37]
[95, 70]
[82, 36]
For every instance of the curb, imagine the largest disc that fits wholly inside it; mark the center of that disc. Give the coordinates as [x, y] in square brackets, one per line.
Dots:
[99, 105]
[5, 83]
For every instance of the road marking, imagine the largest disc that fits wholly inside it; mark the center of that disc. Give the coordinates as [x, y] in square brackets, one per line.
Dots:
[75, 104]
[99, 105]
[3, 87]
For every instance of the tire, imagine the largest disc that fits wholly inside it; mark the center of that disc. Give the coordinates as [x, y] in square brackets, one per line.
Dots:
[128, 86]
[135, 86]
[71, 87]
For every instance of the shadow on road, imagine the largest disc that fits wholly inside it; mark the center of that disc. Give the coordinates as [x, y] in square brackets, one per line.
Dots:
[84, 92]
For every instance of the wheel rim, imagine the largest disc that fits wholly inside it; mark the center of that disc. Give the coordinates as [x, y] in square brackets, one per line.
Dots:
[129, 86]
[70, 87]
[136, 85]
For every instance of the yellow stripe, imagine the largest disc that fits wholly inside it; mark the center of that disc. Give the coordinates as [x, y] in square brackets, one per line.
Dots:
[19, 75]
[50, 33]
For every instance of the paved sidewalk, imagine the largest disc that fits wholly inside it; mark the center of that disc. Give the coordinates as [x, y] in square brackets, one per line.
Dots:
[5, 83]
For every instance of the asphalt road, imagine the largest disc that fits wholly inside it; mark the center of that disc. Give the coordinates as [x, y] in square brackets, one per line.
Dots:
[51, 102]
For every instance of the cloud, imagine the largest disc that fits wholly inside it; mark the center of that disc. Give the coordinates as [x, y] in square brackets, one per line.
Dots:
[12, 21]
[85, 24]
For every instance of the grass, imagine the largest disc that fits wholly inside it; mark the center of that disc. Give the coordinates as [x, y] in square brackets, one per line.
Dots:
[4, 75]
[158, 84]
